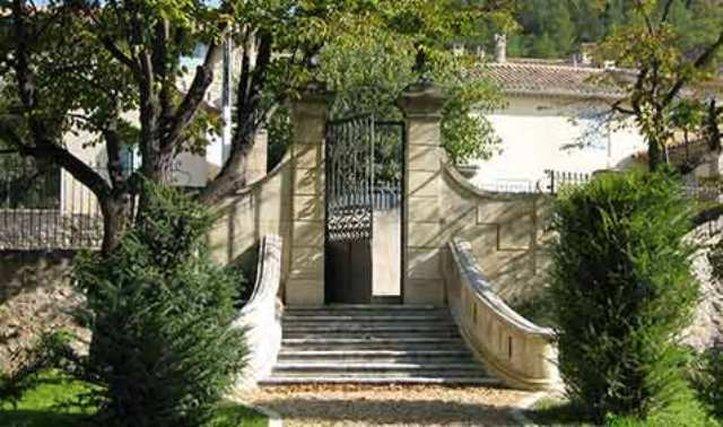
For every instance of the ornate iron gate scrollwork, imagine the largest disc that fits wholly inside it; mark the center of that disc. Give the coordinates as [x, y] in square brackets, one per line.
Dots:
[350, 178]
[363, 171]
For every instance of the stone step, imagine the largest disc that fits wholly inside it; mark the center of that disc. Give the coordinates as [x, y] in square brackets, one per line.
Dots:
[363, 318]
[371, 334]
[372, 343]
[365, 308]
[325, 328]
[322, 366]
[404, 361]
[346, 378]
[288, 354]
[354, 327]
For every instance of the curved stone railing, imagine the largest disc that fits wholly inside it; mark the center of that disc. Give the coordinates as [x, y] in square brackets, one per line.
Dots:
[261, 316]
[514, 349]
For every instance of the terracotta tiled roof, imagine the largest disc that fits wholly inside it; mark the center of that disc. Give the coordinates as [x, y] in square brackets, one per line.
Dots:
[543, 78]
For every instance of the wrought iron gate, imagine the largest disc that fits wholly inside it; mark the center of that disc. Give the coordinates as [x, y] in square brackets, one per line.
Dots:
[364, 168]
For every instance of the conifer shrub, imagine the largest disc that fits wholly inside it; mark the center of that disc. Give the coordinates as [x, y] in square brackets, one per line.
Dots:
[706, 376]
[162, 350]
[622, 289]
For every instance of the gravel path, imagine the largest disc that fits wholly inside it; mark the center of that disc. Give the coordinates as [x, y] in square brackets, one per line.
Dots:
[349, 405]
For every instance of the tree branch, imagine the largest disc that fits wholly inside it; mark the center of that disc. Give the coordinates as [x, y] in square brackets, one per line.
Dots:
[232, 175]
[617, 106]
[188, 107]
[666, 11]
[61, 156]
[699, 63]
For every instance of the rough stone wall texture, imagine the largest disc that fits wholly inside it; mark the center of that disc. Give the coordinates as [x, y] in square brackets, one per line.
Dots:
[35, 297]
[706, 329]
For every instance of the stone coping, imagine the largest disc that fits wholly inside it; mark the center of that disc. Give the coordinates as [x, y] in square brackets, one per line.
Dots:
[466, 263]
[451, 172]
[268, 275]
[251, 186]
[519, 352]
[260, 318]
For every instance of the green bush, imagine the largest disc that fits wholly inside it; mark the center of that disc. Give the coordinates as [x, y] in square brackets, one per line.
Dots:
[162, 351]
[706, 375]
[622, 291]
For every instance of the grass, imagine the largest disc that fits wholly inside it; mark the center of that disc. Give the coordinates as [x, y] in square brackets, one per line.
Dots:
[54, 401]
[231, 414]
[555, 412]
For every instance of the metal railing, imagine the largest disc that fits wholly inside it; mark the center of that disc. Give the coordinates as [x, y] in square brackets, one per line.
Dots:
[44, 208]
[556, 179]
[381, 198]
[523, 186]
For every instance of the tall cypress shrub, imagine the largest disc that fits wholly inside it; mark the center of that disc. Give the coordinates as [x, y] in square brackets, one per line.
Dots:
[622, 291]
[160, 310]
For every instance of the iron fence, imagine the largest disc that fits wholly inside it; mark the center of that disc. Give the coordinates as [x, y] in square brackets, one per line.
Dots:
[526, 186]
[381, 198]
[44, 208]
[557, 179]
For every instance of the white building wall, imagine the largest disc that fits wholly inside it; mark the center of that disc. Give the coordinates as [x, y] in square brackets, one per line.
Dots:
[540, 133]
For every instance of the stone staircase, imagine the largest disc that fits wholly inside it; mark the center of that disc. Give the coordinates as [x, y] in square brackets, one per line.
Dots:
[374, 344]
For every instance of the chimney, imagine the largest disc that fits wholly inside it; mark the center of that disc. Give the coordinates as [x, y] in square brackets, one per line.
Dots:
[500, 48]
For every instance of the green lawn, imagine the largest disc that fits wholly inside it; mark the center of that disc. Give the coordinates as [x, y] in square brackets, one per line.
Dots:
[54, 402]
[554, 412]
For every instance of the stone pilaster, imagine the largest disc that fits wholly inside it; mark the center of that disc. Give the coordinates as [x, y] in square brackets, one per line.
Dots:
[305, 281]
[256, 160]
[423, 283]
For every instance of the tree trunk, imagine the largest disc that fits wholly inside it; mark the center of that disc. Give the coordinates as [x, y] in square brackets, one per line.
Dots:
[116, 218]
[654, 154]
[231, 178]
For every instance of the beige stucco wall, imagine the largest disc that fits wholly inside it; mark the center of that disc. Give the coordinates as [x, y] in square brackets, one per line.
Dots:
[259, 209]
[539, 133]
[505, 230]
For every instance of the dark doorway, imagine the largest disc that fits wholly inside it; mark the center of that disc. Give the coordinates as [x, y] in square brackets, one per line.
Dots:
[364, 169]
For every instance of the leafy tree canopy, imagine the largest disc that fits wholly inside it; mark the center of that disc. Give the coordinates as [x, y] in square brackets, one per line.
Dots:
[102, 65]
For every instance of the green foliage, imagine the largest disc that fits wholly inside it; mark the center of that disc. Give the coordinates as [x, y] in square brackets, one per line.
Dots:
[715, 258]
[656, 42]
[466, 133]
[51, 398]
[623, 290]
[57, 399]
[51, 350]
[706, 376]
[160, 311]
[280, 133]
[555, 28]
